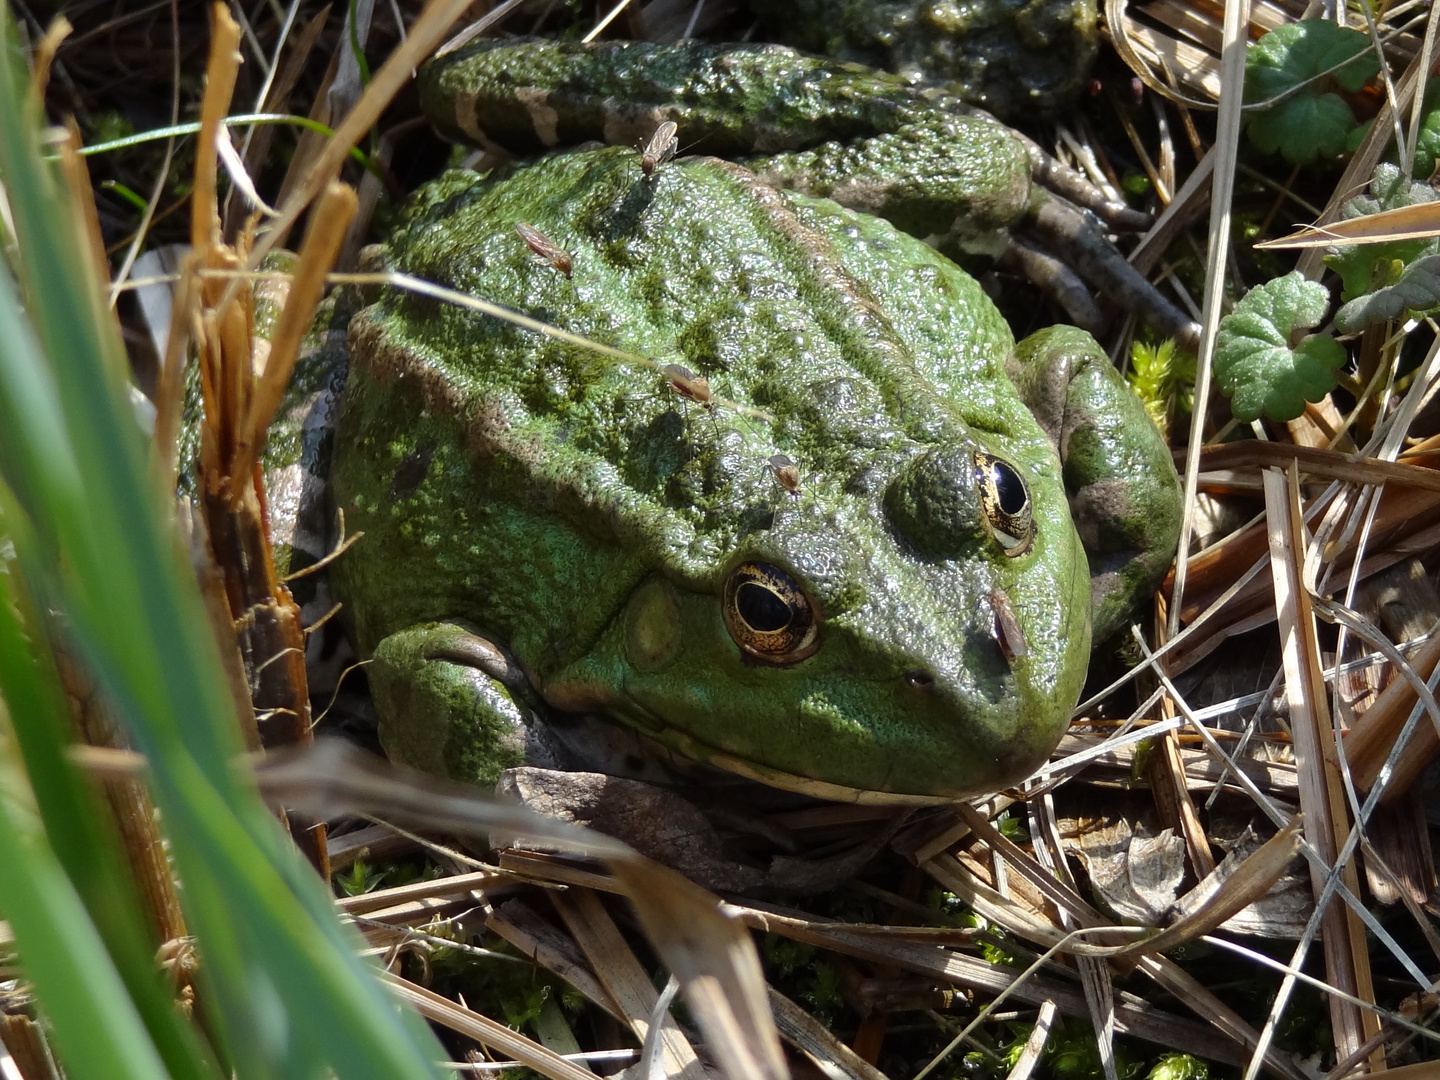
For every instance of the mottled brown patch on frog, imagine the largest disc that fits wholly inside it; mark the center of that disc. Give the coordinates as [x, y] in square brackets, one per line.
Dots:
[862, 193]
[633, 125]
[1098, 508]
[543, 117]
[464, 115]
[825, 264]
[485, 430]
[1045, 398]
[388, 364]
[487, 433]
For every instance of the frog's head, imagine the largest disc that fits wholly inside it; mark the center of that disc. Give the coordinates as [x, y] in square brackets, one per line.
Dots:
[920, 632]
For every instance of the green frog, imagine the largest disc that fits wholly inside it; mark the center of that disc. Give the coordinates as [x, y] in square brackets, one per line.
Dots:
[1013, 57]
[820, 521]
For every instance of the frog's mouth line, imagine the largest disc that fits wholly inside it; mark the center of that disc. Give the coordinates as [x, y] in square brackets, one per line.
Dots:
[696, 750]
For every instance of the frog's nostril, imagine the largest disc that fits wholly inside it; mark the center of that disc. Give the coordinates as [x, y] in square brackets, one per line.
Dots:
[919, 678]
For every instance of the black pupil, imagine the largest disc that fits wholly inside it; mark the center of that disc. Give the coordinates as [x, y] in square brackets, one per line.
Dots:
[761, 609]
[1009, 487]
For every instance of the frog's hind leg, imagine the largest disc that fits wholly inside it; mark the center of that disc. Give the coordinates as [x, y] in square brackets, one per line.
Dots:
[451, 702]
[977, 201]
[1119, 476]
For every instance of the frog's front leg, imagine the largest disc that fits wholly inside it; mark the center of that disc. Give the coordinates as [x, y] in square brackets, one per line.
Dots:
[1124, 493]
[451, 702]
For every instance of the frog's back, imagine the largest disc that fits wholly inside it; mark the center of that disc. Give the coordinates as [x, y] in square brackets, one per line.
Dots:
[533, 483]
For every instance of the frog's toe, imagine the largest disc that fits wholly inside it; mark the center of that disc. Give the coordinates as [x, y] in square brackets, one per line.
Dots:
[1056, 280]
[1050, 173]
[1075, 238]
[449, 702]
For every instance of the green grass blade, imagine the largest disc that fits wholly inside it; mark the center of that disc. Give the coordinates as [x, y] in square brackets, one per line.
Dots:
[97, 1027]
[281, 982]
[75, 819]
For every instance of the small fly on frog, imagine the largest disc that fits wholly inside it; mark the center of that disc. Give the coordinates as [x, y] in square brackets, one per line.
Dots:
[1007, 627]
[545, 248]
[786, 473]
[691, 387]
[663, 145]
[688, 385]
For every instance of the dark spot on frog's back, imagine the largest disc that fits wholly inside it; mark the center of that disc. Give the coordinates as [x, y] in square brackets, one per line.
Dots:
[867, 480]
[700, 340]
[656, 451]
[623, 218]
[411, 471]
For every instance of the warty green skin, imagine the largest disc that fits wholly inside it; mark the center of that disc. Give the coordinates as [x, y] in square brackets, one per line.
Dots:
[1017, 58]
[571, 509]
[872, 141]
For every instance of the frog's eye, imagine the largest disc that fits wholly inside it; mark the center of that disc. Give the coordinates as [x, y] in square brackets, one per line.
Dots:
[769, 615]
[1006, 502]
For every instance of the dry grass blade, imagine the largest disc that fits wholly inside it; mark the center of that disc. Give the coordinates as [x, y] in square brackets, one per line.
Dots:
[1360, 168]
[1094, 973]
[1171, 788]
[373, 842]
[134, 814]
[923, 958]
[24, 1040]
[1418, 222]
[1057, 892]
[1321, 796]
[1424, 1070]
[1228, 591]
[1313, 461]
[1035, 1044]
[323, 238]
[991, 905]
[1196, 996]
[219, 88]
[1189, 202]
[813, 1039]
[1368, 742]
[82, 202]
[1122, 34]
[710, 952]
[534, 936]
[417, 890]
[425, 33]
[248, 604]
[625, 980]
[129, 800]
[257, 140]
[42, 60]
[1227, 144]
[717, 966]
[487, 1032]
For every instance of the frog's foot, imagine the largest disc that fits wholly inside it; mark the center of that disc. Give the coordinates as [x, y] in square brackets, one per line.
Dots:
[1062, 223]
[672, 829]
[1072, 234]
[1050, 173]
[1056, 279]
[1119, 475]
[451, 702]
